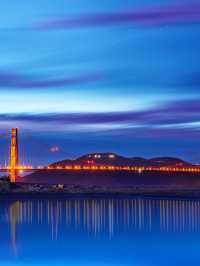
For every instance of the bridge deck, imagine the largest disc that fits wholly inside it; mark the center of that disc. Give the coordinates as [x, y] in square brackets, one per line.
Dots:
[102, 168]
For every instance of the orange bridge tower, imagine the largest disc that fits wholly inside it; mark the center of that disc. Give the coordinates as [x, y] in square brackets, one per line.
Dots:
[14, 156]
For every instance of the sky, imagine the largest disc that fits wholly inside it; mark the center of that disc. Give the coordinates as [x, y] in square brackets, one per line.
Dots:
[95, 76]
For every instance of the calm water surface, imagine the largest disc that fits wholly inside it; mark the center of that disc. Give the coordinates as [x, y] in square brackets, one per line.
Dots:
[99, 231]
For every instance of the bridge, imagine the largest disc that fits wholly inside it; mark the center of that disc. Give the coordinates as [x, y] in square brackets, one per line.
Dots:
[14, 168]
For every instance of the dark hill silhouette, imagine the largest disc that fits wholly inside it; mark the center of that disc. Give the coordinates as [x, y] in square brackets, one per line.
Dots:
[115, 159]
[117, 178]
[168, 161]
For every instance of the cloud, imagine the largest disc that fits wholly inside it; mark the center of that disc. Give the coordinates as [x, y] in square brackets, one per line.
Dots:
[172, 119]
[174, 14]
[13, 80]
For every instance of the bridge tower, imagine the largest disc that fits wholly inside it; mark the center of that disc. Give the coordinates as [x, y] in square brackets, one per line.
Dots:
[14, 156]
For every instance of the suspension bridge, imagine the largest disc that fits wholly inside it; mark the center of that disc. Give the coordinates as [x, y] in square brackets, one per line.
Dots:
[14, 168]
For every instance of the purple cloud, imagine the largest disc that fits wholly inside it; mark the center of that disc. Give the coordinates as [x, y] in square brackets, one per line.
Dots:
[182, 117]
[187, 13]
[12, 80]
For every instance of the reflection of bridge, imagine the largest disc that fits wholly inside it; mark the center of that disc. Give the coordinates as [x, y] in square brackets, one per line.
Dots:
[109, 216]
[14, 168]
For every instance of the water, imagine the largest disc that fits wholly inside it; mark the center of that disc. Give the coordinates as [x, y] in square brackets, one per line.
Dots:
[99, 232]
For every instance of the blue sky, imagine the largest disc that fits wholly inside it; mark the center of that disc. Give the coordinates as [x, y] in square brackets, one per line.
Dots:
[115, 75]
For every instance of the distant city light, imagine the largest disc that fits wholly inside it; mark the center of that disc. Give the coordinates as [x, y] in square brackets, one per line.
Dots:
[54, 149]
[98, 156]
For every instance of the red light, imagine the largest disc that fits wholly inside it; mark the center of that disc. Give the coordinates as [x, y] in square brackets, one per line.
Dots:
[90, 161]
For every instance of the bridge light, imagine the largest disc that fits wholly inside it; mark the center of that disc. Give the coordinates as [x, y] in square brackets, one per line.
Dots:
[140, 170]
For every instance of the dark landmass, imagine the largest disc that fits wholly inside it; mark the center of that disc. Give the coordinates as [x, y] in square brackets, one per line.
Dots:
[109, 182]
[118, 182]
[59, 190]
[118, 160]
[117, 178]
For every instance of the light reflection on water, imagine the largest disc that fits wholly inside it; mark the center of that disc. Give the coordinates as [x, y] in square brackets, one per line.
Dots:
[98, 224]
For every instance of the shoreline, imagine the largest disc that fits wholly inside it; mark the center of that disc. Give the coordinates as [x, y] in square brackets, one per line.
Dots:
[104, 194]
[116, 190]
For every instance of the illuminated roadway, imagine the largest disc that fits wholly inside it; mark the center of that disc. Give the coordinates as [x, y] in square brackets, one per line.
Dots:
[194, 169]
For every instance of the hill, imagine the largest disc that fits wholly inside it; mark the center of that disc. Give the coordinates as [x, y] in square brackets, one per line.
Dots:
[119, 178]
[115, 159]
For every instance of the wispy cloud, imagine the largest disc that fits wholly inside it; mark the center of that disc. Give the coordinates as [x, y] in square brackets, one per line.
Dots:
[185, 13]
[14, 80]
[170, 119]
